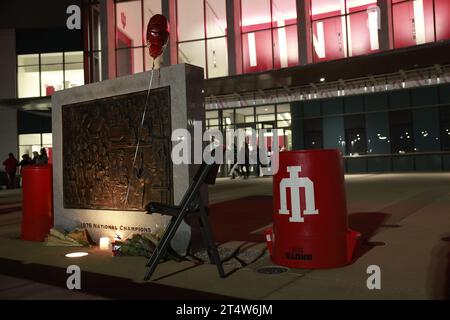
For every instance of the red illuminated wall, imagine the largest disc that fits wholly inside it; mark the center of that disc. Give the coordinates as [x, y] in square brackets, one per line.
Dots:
[406, 26]
[333, 39]
[442, 14]
[343, 31]
[264, 39]
[360, 36]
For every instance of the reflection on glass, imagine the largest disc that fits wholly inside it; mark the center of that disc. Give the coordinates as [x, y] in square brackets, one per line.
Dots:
[329, 39]
[217, 58]
[413, 23]
[363, 33]
[442, 13]
[190, 20]
[257, 51]
[326, 8]
[216, 18]
[359, 5]
[255, 15]
[445, 135]
[129, 61]
[284, 12]
[285, 47]
[151, 7]
[192, 53]
[128, 24]
[355, 142]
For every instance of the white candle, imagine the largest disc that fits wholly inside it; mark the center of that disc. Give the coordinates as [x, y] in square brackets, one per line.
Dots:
[104, 243]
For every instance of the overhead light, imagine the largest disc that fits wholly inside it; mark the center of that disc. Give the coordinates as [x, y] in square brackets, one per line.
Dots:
[322, 79]
[76, 254]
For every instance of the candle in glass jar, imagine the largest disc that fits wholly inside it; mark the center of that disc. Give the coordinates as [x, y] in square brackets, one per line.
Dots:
[104, 243]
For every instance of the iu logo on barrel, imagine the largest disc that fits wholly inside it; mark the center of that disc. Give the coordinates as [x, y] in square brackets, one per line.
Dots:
[295, 183]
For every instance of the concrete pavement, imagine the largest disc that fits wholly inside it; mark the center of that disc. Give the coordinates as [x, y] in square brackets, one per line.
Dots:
[405, 219]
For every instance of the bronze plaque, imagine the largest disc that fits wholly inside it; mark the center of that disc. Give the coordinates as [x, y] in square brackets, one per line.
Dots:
[99, 145]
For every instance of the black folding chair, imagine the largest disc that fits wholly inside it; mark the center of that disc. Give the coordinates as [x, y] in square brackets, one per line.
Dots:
[192, 203]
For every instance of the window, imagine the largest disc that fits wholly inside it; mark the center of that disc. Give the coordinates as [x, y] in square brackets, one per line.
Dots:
[344, 28]
[41, 74]
[413, 22]
[269, 34]
[401, 130]
[94, 54]
[227, 118]
[355, 135]
[313, 134]
[132, 17]
[28, 78]
[73, 69]
[202, 35]
[28, 143]
[283, 115]
[212, 119]
[244, 115]
[266, 114]
[442, 21]
[417, 22]
[445, 127]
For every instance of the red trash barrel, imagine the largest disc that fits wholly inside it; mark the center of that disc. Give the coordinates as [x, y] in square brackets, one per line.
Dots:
[37, 203]
[310, 212]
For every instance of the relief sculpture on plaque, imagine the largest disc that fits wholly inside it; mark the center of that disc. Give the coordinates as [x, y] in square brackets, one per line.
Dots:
[100, 163]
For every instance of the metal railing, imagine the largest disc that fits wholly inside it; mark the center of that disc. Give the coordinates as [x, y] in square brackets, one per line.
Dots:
[434, 75]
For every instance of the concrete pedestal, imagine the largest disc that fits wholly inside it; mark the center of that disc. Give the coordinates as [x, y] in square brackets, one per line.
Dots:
[186, 104]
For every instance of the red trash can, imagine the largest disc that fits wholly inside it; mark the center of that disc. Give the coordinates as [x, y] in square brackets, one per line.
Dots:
[37, 202]
[310, 213]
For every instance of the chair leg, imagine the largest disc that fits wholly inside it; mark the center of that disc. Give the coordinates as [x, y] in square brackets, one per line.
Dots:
[208, 239]
[163, 245]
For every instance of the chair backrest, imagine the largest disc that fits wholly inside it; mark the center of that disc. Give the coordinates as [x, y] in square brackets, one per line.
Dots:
[211, 176]
[206, 174]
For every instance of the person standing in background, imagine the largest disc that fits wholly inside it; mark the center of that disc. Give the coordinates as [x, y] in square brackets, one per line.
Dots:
[26, 160]
[10, 168]
[42, 159]
[35, 157]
